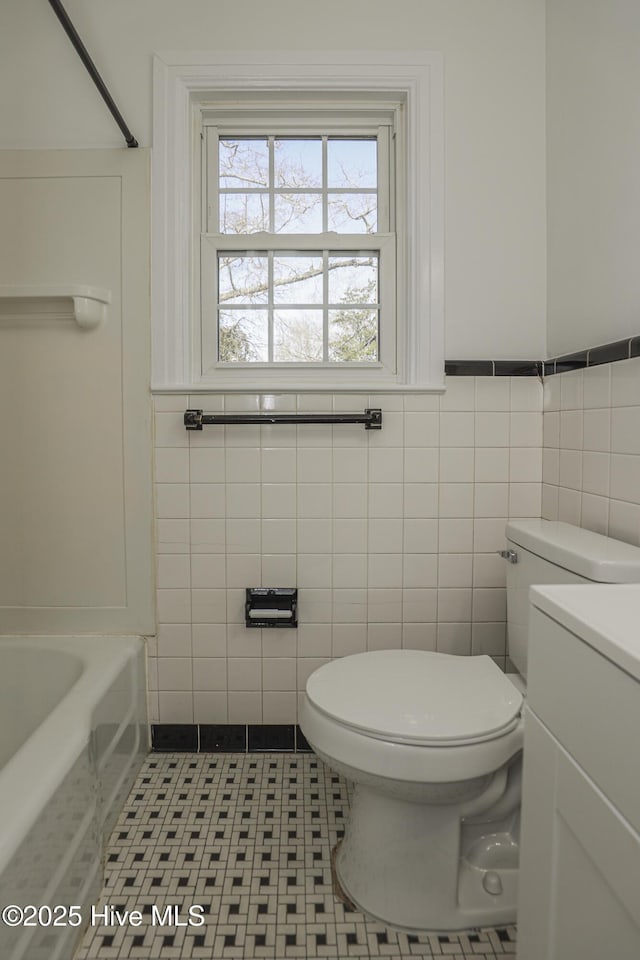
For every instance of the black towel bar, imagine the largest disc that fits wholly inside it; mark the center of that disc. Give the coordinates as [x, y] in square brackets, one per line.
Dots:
[196, 419]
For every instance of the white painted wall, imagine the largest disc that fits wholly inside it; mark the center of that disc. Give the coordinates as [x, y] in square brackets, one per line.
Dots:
[494, 116]
[593, 142]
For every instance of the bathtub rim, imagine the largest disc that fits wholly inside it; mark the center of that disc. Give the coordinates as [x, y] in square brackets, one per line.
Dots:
[30, 776]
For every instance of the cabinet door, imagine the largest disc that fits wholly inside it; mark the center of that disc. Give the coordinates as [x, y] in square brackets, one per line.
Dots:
[580, 891]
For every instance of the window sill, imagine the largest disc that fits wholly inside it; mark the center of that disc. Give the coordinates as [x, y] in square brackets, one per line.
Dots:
[298, 387]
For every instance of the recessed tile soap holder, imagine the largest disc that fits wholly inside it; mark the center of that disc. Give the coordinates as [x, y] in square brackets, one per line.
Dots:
[271, 607]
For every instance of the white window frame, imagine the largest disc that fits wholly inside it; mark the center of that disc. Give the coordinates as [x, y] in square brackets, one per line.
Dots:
[183, 85]
[302, 117]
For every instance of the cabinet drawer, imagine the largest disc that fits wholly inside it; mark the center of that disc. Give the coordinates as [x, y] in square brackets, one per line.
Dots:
[591, 706]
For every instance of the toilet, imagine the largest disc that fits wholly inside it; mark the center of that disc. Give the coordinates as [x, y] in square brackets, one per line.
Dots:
[432, 744]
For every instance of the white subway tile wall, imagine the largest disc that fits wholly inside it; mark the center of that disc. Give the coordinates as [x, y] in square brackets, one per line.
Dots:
[591, 453]
[390, 537]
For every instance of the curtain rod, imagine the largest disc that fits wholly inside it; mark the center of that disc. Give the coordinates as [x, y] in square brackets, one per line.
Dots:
[82, 52]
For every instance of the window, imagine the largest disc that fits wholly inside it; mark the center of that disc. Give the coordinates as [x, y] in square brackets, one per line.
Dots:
[298, 256]
[305, 239]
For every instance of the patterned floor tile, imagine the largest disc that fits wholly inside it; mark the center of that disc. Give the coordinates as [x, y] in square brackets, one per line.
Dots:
[229, 856]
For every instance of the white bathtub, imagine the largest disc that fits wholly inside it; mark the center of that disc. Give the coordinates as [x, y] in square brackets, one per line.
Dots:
[73, 735]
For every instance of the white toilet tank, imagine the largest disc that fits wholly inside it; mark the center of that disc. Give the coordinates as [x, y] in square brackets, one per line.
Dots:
[549, 551]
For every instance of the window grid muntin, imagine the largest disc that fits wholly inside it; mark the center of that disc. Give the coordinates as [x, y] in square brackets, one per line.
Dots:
[270, 298]
[326, 193]
[272, 307]
[380, 128]
[215, 134]
[325, 289]
[211, 246]
[272, 193]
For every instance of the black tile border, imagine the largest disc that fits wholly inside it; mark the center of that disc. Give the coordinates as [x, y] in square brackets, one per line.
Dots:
[223, 738]
[610, 352]
[174, 737]
[493, 368]
[468, 368]
[572, 361]
[302, 744]
[517, 368]
[227, 738]
[261, 737]
[594, 357]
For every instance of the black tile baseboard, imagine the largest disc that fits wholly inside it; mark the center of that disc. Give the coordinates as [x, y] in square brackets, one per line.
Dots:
[174, 737]
[223, 738]
[302, 744]
[261, 737]
[227, 738]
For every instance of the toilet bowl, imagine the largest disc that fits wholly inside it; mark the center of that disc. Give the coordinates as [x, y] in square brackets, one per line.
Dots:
[435, 774]
[433, 746]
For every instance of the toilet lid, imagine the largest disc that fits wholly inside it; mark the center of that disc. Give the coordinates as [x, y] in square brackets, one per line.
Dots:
[417, 697]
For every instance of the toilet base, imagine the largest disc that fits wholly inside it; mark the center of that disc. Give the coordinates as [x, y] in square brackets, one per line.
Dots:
[400, 863]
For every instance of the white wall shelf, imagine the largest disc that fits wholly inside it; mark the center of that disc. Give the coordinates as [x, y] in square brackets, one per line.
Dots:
[84, 304]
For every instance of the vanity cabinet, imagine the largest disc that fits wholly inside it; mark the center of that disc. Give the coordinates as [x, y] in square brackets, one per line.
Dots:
[579, 896]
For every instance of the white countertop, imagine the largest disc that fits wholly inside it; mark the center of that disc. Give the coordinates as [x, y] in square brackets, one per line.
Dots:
[606, 616]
